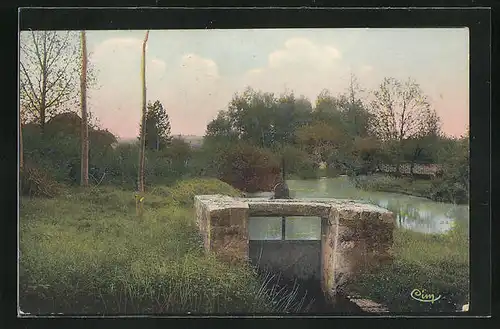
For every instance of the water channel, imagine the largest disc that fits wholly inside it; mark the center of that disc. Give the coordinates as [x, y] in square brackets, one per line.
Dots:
[413, 213]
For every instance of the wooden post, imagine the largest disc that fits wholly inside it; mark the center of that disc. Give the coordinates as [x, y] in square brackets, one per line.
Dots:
[84, 168]
[140, 180]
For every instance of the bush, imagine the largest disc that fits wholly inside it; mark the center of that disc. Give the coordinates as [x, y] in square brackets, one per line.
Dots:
[453, 185]
[299, 163]
[37, 182]
[446, 190]
[246, 167]
[184, 191]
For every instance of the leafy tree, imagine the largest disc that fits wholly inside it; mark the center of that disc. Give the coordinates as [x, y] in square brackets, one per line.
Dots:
[453, 185]
[328, 109]
[179, 153]
[251, 116]
[298, 162]
[260, 119]
[290, 113]
[422, 147]
[220, 129]
[355, 116]
[49, 66]
[157, 127]
[400, 111]
[248, 167]
[319, 139]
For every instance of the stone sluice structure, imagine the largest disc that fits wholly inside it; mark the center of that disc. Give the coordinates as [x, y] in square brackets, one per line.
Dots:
[354, 238]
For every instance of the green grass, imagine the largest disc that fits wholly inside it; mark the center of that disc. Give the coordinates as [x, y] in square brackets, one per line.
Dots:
[438, 263]
[87, 252]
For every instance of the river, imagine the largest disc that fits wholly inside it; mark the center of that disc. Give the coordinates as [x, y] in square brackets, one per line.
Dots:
[413, 213]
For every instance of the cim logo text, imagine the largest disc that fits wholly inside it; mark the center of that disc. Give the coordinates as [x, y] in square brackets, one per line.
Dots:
[421, 296]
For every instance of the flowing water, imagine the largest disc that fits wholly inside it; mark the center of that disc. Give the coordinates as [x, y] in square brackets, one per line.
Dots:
[413, 213]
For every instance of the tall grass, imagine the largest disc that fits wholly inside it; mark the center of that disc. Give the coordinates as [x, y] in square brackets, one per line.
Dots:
[87, 252]
[438, 263]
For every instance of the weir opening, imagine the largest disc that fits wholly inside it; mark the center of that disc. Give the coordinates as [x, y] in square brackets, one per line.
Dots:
[354, 237]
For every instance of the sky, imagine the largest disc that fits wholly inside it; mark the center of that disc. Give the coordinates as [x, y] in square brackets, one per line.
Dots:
[195, 73]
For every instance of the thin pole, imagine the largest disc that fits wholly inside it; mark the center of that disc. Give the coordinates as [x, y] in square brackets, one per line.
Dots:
[283, 219]
[283, 228]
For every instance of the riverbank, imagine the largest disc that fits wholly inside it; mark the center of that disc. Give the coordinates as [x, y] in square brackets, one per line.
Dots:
[386, 183]
[424, 188]
[87, 252]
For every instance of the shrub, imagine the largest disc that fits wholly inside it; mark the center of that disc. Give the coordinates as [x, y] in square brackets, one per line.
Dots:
[37, 182]
[184, 191]
[299, 163]
[248, 168]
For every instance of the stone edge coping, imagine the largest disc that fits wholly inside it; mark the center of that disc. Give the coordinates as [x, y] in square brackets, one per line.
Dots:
[218, 202]
[367, 305]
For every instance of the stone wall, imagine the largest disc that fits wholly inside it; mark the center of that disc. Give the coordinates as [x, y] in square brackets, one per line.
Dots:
[354, 236]
[223, 224]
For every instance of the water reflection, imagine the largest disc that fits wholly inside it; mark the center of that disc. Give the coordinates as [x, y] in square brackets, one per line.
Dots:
[413, 213]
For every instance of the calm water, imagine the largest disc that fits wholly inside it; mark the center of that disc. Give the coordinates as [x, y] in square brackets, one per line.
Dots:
[413, 213]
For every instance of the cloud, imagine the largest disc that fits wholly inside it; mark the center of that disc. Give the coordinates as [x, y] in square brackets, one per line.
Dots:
[303, 52]
[119, 63]
[300, 65]
[196, 87]
[118, 54]
[196, 66]
[157, 64]
[366, 69]
[116, 46]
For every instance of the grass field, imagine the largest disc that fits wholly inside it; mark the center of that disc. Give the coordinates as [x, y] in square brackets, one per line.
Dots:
[87, 252]
[436, 263]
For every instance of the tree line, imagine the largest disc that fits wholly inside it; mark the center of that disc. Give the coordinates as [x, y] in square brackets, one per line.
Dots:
[243, 144]
[343, 131]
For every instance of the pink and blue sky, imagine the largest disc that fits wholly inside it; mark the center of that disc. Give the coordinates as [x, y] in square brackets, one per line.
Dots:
[195, 73]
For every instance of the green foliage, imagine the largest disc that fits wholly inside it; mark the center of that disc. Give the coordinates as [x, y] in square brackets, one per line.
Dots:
[220, 129]
[184, 191]
[288, 122]
[57, 152]
[401, 116]
[36, 182]
[247, 167]
[260, 119]
[157, 127]
[453, 185]
[298, 163]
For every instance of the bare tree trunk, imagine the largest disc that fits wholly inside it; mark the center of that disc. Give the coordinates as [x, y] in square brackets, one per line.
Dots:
[84, 174]
[21, 153]
[140, 182]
